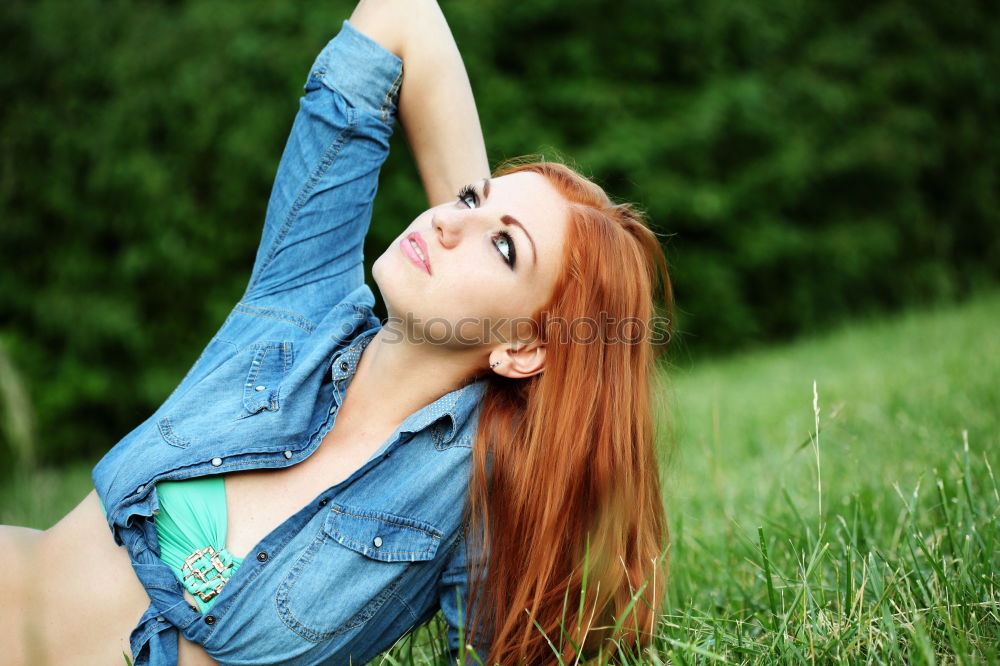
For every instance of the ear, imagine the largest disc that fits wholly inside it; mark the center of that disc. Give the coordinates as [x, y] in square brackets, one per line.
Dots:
[518, 363]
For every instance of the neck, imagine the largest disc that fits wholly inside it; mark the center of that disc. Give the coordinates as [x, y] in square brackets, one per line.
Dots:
[396, 377]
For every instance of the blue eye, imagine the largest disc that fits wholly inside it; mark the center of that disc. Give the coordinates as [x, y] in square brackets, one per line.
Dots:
[503, 242]
[467, 195]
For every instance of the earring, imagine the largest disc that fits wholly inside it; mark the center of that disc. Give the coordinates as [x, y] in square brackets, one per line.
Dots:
[493, 365]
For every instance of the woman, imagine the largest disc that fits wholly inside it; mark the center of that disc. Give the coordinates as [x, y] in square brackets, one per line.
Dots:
[319, 484]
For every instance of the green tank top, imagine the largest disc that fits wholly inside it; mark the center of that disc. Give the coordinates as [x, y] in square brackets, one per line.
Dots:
[191, 525]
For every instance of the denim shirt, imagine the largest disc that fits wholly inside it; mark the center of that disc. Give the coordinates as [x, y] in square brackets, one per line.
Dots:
[374, 555]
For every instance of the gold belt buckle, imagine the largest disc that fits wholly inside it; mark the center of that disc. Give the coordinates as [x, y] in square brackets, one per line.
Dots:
[206, 568]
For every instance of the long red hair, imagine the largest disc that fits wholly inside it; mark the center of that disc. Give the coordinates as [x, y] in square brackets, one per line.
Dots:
[565, 510]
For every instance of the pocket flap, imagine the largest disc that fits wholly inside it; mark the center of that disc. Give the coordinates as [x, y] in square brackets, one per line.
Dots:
[382, 536]
[271, 361]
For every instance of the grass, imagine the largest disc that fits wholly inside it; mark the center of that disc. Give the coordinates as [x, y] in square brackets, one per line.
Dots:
[900, 563]
[832, 501]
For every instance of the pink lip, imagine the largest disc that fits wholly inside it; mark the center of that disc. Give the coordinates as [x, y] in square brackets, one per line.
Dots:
[412, 255]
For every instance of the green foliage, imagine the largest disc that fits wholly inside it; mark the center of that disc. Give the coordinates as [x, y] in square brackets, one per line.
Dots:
[803, 161]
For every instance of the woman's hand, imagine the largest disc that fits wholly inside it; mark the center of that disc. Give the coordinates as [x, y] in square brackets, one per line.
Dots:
[436, 106]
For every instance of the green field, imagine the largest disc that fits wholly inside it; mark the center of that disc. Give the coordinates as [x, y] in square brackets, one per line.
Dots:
[875, 542]
[885, 549]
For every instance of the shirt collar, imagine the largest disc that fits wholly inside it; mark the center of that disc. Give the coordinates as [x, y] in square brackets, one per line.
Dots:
[450, 412]
[345, 363]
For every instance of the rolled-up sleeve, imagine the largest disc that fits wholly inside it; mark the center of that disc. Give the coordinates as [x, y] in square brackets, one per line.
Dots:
[311, 250]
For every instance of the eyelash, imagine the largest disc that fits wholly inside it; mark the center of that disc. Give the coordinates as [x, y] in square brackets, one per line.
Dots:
[466, 192]
[469, 191]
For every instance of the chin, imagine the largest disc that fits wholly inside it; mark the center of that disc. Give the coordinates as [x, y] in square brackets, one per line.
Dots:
[390, 285]
[382, 284]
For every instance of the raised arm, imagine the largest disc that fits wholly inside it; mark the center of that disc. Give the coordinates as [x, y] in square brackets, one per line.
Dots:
[395, 59]
[436, 106]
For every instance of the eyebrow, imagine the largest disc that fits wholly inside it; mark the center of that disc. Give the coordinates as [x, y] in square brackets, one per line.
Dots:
[511, 220]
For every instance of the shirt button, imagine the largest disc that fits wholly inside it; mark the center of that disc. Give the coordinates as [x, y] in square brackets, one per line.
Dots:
[216, 462]
[344, 366]
[333, 409]
[377, 541]
[259, 388]
[288, 455]
[262, 556]
[323, 502]
[140, 489]
[209, 620]
[160, 618]
[194, 608]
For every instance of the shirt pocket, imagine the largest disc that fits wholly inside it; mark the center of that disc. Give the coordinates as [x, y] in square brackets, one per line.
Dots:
[351, 570]
[248, 383]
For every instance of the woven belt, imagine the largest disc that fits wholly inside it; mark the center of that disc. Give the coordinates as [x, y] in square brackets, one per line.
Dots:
[206, 572]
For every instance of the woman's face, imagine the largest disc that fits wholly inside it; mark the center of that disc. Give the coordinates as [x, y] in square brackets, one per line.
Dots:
[491, 257]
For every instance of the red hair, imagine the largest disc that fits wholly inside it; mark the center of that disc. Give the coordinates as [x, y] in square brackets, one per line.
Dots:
[565, 507]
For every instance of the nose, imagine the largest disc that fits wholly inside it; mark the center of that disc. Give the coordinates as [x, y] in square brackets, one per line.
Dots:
[450, 226]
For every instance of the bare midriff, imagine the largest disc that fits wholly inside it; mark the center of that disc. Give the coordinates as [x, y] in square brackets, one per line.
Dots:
[84, 599]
